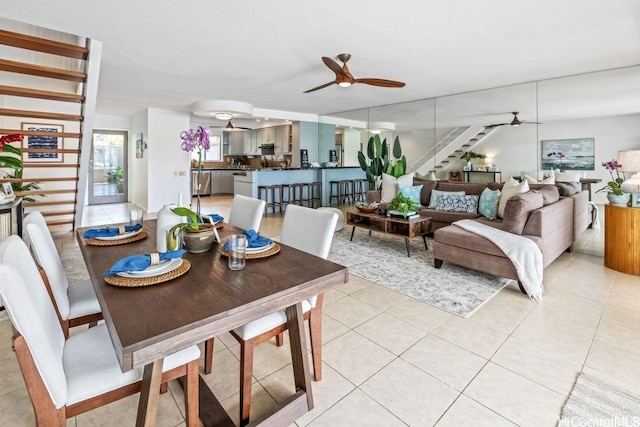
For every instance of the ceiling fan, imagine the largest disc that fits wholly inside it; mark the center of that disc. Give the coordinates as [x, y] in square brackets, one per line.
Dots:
[515, 122]
[231, 127]
[344, 78]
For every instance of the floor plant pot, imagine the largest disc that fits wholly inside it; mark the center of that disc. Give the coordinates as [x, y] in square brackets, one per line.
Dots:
[198, 241]
[621, 200]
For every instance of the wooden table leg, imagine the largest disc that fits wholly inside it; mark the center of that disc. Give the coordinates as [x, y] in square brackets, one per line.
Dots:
[298, 342]
[150, 394]
[406, 243]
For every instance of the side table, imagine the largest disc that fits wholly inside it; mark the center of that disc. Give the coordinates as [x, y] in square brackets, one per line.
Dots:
[622, 238]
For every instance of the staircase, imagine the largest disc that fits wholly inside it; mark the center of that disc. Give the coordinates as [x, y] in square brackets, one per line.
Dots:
[446, 153]
[50, 100]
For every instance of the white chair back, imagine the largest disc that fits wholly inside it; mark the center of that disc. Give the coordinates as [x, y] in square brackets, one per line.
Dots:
[46, 255]
[309, 230]
[34, 217]
[32, 314]
[246, 212]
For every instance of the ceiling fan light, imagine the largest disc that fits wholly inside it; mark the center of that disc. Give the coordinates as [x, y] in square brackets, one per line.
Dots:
[344, 84]
[223, 116]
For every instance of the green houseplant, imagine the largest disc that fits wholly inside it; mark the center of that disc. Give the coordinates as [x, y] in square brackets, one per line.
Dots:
[402, 204]
[379, 161]
[198, 237]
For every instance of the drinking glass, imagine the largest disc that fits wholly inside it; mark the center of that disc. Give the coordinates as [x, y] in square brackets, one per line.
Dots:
[135, 217]
[236, 251]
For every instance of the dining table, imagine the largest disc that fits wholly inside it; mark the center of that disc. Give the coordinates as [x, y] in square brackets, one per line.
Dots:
[148, 323]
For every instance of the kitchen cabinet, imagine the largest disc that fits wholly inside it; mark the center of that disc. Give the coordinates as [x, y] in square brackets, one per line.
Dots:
[205, 183]
[281, 136]
[221, 182]
[249, 143]
[268, 135]
[236, 142]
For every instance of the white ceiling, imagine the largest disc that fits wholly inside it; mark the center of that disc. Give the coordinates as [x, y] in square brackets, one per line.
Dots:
[169, 54]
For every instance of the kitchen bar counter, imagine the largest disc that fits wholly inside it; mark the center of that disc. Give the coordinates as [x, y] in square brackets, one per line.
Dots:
[247, 181]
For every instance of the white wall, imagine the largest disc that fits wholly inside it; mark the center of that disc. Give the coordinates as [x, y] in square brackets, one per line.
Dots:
[139, 168]
[165, 158]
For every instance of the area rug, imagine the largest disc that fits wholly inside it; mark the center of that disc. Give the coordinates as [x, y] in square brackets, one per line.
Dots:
[594, 402]
[382, 259]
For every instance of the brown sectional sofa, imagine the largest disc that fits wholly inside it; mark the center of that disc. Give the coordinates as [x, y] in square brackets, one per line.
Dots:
[551, 221]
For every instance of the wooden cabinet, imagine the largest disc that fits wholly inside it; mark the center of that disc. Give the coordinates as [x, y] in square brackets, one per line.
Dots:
[622, 238]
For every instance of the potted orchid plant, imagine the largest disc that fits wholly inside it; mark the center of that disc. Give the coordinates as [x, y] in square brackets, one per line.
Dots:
[615, 194]
[198, 237]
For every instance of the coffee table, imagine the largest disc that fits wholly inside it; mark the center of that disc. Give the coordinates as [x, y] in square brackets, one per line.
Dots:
[398, 226]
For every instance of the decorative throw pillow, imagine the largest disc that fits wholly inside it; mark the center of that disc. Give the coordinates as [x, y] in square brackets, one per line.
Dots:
[458, 203]
[390, 187]
[436, 194]
[508, 190]
[530, 180]
[412, 192]
[488, 204]
[518, 209]
[548, 180]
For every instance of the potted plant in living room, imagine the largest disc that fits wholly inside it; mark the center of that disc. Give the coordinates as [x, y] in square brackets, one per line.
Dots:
[402, 206]
[615, 195]
[198, 237]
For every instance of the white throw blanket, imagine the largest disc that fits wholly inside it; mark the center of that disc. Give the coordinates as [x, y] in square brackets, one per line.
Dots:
[523, 253]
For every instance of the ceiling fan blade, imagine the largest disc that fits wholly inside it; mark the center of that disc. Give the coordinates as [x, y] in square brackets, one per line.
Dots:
[380, 82]
[319, 87]
[333, 66]
[495, 125]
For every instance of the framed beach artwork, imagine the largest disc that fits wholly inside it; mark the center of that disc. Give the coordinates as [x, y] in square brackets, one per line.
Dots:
[576, 154]
[47, 141]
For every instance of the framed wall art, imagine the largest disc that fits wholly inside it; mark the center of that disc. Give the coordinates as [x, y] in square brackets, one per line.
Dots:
[42, 141]
[576, 154]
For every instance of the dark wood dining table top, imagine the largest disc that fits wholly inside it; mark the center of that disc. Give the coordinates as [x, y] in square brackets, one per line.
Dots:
[147, 323]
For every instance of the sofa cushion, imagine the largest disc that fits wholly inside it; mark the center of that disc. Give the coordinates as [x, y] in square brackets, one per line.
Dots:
[427, 187]
[411, 191]
[458, 203]
[547, 180]
[549, 192]
[437, 194]
[568, 188]
[518, 208]
[390, 185]
[488, 203]
[467, 187]
[510, 188]
[444, 217]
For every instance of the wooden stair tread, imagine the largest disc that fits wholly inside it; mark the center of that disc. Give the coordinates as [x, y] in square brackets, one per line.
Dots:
[38, 44]
[46, 192]
[52, 179]
[61, 222]
[40, 94]
[51, 150]
[56, 203]
[58, 213]
[41, 71]
[50, 165]
[40, 133]
[40, 114]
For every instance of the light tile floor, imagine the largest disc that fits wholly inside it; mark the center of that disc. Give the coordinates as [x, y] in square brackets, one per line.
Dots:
[391, 360]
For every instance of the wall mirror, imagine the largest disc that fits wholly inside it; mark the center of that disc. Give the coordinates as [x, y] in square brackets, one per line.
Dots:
[601, 105]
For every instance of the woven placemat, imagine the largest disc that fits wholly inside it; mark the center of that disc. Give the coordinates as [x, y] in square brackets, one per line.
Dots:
[127, 282]
[97, 242]
[274, 250]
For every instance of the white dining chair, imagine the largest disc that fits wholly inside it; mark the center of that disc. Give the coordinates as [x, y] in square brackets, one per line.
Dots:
[76, 304]
[65, 378]
[246, 212]
[309, 230]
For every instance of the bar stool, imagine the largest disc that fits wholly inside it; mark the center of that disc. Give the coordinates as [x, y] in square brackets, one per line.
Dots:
[266, 192]
[334, 192]
[295, 194]
[314, 196]
[304, 194]
[346, 190]
[360, 189]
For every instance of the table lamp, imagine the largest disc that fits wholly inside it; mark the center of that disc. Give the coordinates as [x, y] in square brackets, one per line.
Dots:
[630, 161]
